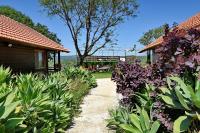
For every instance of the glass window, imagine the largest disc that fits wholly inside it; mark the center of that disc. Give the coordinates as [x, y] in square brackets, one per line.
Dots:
[40, 60]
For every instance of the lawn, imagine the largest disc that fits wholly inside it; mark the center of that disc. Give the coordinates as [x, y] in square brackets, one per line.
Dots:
[100, 75]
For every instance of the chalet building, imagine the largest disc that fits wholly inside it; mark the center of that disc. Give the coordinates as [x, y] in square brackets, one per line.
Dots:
[193, 22]
[25, 50]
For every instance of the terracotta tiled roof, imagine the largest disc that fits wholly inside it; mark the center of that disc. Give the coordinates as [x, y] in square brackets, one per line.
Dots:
[153, 44]
[193, 22]
[11, 30]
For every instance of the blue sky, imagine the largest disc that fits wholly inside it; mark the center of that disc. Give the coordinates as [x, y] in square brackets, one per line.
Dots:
[151, 14]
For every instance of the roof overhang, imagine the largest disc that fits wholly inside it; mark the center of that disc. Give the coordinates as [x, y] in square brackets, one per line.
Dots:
[193, 22]
[18, 33]
[152, 45]
[23, 43]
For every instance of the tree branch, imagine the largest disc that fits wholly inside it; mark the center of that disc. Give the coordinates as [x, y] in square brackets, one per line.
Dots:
[102, 46]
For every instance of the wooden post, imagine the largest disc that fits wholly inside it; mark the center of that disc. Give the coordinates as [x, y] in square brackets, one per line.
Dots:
[59, 64]
[148, 57]
[54, 60]
[47, 66]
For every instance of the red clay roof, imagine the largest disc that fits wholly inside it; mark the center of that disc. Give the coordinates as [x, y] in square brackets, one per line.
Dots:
[11, 30]
[193, 22]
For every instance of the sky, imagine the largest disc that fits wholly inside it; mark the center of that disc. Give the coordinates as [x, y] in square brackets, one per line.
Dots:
[151, 14]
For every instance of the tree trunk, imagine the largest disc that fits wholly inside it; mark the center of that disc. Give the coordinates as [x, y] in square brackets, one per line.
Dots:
[81, 60]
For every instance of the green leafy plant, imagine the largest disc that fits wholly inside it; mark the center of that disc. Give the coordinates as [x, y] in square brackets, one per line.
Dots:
[5, 75]
[117, 117]
[61, 102]
[141, 123]
[32, 103]
[181, 96]
[78, 73]
[144, 98]
[8, 117]
[5, 80]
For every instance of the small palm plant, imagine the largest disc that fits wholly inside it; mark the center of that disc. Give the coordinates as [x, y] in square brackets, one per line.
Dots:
[183, 97]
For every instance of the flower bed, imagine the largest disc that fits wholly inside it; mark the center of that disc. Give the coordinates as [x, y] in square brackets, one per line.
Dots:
[31, 103]
[163, 97]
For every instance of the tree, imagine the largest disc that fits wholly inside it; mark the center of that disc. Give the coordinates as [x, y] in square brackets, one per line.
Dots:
[92, 21]
[22, 18]
[151, 36]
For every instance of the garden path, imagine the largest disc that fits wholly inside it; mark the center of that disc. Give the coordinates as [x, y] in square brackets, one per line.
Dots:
[95, 108]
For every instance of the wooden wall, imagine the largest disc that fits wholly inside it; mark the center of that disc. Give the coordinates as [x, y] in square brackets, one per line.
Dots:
[18, 58]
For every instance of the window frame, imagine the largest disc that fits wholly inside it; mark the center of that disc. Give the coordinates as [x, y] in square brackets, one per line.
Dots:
[44, 59]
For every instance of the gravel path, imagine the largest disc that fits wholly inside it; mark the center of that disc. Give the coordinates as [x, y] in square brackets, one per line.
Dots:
[95, 109]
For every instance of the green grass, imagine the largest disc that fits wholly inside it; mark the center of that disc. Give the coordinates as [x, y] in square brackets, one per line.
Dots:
[79, 90]
[100, 75]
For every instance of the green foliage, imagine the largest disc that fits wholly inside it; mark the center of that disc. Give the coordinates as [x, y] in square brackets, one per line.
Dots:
[100, 75]
[83, 75]
[41, 104]
[34, 101]
[143, 99]
[5, 78]
[117, 117]
[185, 98]
[22, 18]
[81, 81]
[79, 89]
[102, 63]
[151, 35]
[8, 119]
[4, 75]
[123, 120]
[141, 123]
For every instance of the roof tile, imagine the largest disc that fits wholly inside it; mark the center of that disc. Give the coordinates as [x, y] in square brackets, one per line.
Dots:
[193, 22]
[15, 31]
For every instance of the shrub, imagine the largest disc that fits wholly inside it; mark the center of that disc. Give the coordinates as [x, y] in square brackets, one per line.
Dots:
[118, 116]
[141, 123]
[39, 107]
[186, 99]
[41, 104]
[130, 78]
[77, 73]
[179, 54]
[135, 121]
[5, 75]
[8, 117]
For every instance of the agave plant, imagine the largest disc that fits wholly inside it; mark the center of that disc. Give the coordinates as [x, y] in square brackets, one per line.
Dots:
[141, 123]
[8, 116]
[5, 80]
[118, 116]
[145, 99]
[60, 116]
[5, 75]
[78, 73]
[56, 86]
[183, 97]
[34, 103]
[61, 102]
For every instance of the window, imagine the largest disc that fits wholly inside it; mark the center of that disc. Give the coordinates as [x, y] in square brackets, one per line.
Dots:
[40, 59]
